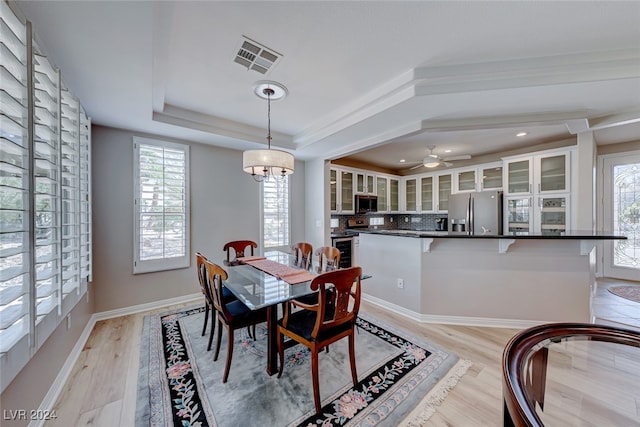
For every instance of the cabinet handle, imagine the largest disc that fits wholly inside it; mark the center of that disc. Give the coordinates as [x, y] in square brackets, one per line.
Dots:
[530, 188]
[539, 187]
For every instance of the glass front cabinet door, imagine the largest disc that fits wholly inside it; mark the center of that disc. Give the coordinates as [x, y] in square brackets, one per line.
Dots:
[466, 181]
[552, 214]
[411, 195]
[519, 174]
[394, 193]
[491, 178]
[381, 191]
[346, 191]
[444, 191]
[519, 215]
[426, 194]
[365, 183]
[553, 173]
[333, 186]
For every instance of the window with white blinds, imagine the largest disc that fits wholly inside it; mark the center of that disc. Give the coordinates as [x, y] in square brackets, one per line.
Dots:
[45, 196]
[15, 185]
[161, 205]
[275, 213]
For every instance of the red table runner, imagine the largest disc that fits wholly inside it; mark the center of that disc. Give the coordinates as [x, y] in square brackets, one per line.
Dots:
[289, 274]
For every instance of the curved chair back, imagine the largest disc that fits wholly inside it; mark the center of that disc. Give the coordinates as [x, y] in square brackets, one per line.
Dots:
[341, 305]
[328, 258]
[214, 274]
[303, 252]
[239, 247]
[200, 260]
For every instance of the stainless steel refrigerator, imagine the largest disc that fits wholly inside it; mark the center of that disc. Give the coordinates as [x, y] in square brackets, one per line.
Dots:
[479, 212]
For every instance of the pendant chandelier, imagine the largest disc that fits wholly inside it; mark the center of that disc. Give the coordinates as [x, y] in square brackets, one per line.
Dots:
[269, 163]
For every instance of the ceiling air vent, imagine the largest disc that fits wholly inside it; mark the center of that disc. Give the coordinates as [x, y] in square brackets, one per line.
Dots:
[255, 56]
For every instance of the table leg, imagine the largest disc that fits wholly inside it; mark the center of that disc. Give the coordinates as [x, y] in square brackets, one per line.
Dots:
[272, 344]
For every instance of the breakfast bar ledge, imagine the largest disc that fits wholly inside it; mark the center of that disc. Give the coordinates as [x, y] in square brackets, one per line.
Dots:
[512, 281]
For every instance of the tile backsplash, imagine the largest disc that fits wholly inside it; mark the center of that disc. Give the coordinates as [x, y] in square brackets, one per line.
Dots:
[426, 222]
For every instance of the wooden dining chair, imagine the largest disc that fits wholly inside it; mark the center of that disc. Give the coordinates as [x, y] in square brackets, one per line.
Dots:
[239, 247]
[232, 315]
[209, 309]
[321, 324]
[303, 252]
[328, 258]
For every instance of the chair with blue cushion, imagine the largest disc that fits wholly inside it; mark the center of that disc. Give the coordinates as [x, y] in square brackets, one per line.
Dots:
[331, 319]
[232, 315]
[227, 296]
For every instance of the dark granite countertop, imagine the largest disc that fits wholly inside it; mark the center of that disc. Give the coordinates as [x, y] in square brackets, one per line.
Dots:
[568, 235]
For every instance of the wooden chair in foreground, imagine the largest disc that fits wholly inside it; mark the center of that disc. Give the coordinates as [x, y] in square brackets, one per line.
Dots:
[232, 315]
[303, 252]
[321, 324]
[227, 296]
[239, 247]
[328, 258]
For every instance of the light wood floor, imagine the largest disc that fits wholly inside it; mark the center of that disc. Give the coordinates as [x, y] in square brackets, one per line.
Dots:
[101, 391]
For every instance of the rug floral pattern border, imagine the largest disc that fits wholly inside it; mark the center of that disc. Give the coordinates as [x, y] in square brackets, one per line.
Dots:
[187, 406]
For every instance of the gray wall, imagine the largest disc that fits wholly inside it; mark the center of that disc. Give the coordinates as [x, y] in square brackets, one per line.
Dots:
[224, 206]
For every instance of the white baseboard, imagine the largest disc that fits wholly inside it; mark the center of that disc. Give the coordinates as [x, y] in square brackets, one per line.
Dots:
[61, 379]
[451, 320]
[110, 314]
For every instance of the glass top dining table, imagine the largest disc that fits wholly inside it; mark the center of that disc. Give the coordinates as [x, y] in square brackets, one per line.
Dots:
[258, 289]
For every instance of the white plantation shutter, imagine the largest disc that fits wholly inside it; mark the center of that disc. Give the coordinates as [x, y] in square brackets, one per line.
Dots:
[86, 238]
[275, 213]
[161, 170]
[15, 173]
[45, 241]
[47, 187]
[70, 196]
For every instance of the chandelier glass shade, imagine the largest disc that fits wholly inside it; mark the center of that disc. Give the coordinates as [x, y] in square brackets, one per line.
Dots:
[265, 164]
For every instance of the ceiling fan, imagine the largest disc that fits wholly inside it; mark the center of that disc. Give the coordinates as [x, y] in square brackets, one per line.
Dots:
[433, 160]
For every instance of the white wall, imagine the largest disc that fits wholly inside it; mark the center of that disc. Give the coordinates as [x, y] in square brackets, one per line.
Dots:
[317, 230]
[224, 206]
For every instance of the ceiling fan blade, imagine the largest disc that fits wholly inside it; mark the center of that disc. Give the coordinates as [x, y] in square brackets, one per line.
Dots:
[447, 164]
[460, 157]
[417, 166]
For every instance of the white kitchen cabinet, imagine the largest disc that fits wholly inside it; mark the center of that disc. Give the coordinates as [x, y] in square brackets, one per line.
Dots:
[546, 214]
[426, 194]
[490, 176]
[394, 195]
[341, 191]
[443, 184]
[537, 192]
[365, 183]
[382, 190]
[478, 178]
[387, 190]
[465, 180]
[547, 172]
[410, 195]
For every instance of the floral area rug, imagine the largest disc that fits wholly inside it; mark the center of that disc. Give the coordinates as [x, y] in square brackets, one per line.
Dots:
[401, 378]
[630, 292]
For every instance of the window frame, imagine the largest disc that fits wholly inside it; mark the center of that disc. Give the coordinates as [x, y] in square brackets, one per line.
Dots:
[165, 263]
[287, 243]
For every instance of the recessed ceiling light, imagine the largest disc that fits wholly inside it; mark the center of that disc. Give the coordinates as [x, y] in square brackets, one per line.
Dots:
[402, 160]
[447, 151]
[521, 134]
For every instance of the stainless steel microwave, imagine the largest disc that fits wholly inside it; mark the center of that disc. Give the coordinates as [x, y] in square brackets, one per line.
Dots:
[366, 203]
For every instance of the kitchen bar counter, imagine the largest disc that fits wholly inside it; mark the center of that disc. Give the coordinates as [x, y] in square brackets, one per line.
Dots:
[573, 234]
[513, 281]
